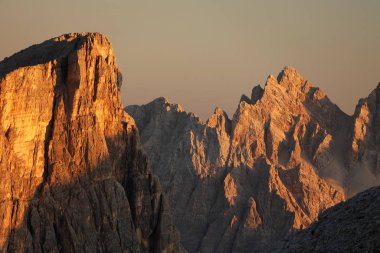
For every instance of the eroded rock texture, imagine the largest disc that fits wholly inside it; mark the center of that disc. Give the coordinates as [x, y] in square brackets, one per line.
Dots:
[351, 226]
[73, 178]
[363, 160]
[240, 184]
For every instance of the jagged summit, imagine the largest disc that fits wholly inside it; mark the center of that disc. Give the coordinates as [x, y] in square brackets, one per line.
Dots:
[290, 93]
[289, 90]
[289, 83]
[290, 75]
[165, 104]
[291, 80]
[252, 179]
[219, 111]
[287, 154]
[256, 94]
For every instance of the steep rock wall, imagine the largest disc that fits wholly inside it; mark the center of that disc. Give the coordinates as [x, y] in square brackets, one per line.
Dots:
[73, 178]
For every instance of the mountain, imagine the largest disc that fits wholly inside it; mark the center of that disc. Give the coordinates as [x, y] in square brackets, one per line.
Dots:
[351, 226]
[241, 184]
[363, 158]
[73, 178]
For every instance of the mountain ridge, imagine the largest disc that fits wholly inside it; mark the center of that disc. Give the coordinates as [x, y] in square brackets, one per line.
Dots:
[288, 139]
[75, 176]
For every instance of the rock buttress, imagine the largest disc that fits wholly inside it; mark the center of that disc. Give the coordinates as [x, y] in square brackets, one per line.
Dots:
[73, 178]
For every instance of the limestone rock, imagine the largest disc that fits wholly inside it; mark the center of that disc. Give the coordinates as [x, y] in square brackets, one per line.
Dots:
[238, 185]
[363, 156]
[73, 178]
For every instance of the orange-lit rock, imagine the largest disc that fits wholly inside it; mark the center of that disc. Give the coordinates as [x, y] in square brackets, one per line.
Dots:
[73, 178]
[253, 219]
[230, 191]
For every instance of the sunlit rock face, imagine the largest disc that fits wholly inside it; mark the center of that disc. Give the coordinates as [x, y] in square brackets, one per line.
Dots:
[73, 178]
[240, 184]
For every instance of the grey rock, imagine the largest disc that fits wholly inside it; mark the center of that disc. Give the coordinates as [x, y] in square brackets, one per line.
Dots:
[351, 226]
[240, 184]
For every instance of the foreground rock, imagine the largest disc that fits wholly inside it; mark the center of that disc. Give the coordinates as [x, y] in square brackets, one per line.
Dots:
[241, 184]
[351, 226]
[73, 178]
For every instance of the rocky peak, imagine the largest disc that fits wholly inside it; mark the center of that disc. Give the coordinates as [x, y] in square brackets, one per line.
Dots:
[55, 49]
[219, 119]
[70, 154]
[167, 105]
[243, 183]
[256, 94]
[289, 77]
[289, 83]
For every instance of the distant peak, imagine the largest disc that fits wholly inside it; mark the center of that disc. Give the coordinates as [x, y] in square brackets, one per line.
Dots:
[245, 99]
[286, 72]
[290, 77]
[256, 94]
[219, 117]
[220, 111]
[163, 102]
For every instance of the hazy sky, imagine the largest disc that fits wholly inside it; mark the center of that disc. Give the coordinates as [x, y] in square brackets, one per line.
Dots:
[203, 54]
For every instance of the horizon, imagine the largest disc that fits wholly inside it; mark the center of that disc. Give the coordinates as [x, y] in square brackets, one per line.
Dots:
[230, 116]
[206, 54]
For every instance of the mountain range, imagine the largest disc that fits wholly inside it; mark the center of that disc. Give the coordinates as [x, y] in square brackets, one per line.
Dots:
[80, 173]
[287, 154]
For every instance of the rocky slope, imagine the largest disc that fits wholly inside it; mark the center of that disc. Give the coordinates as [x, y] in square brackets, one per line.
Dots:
[288, 153]
[363, 158]
[351, 226]
[73, 178]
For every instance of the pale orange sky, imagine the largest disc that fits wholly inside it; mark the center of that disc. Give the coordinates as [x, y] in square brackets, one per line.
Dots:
[206, 53]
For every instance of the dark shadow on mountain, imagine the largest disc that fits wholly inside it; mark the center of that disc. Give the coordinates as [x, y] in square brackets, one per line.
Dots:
[115, 206]
[350, 226]
[42, 53]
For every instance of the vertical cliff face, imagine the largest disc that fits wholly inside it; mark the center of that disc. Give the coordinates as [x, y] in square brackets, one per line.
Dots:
[73, 178]
[238, 185]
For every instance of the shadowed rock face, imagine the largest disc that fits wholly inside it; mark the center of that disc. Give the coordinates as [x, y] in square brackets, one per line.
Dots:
[239, 185]
[351, 226]
[73, 178]
[364, 147]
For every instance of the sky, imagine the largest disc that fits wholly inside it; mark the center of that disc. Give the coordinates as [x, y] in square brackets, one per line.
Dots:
[207, 53]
